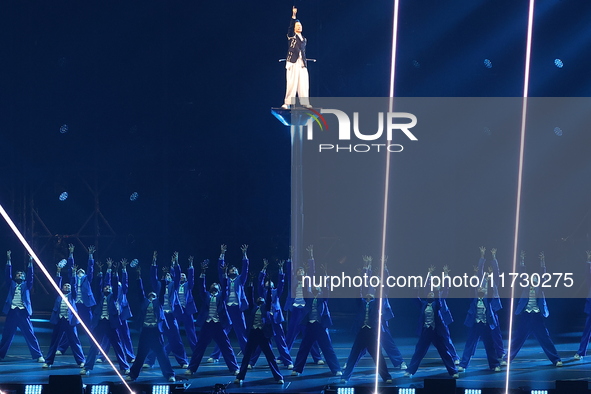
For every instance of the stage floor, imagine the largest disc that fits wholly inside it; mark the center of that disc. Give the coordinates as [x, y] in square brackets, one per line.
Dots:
[531, 368]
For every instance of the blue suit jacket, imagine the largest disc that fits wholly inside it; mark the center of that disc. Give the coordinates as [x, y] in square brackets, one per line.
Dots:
[114, 317]
[190, 307]
[239, 283]
[86, 285]
[124, 309]
[26, 287]
[205, 299]
[55, 312]
[172, 286]
[540, 297]
[156, 304]
[275, 295]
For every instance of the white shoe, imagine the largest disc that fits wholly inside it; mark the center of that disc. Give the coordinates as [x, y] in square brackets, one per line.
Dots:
[577, 357]
[41, 360]
[84, 372]
[213, 360]
[558, 364]
[172, 379]
[238, 381]
[280, 381]
[403, 366]
[128, 378]
[249, 366]
[320, 362]
[343, 381]
[185, 366]
[99, 361]
[46, 366]
[389, 381]
[338, 373]
[455, 376]
[188, 372]
[285, 106]
[236, 372]
[58, 353]
[81, 365]
[294, 373]
[497, 369]
[407, 375]
[290, 366]
[503, 363]
[146, 366]
[461, 369]
[457, 362]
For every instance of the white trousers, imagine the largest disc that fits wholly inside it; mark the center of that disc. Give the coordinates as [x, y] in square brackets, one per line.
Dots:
[297, 82]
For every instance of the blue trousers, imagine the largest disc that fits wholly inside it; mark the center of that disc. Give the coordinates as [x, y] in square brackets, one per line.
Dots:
[103, 331]
[213, 331]
[294, 328]
[366, 340]
[480, 331]
[585, 338]
[389, 346]
[86, 316]
[279, 336]
[497, 338]
[239, 327]
[151, 341]
[431, 336]
[316, 333]
[527, 323]
[63, 329]
[126, 344]
[175, 343]
[189, 324]
[257, 340]
[19, 318]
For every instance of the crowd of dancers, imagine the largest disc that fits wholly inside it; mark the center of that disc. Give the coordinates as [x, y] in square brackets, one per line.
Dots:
[253, 306]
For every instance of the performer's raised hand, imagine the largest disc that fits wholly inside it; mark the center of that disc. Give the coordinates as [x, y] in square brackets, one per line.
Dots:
[294, 12]
[482, 251]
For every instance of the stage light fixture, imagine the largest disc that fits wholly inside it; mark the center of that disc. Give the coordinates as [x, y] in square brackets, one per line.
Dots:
[558, 131]
[487, 63]
[346, 390]
[64, 129]
[133, 196]
[33, 388]
[100, 389]
[539, 392]
[558, 63]
[472, 391]
[161, 389]
[406, 390]
[63, 196]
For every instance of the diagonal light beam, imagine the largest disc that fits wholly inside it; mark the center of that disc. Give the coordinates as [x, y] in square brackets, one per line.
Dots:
[59, 291]
[530, 22]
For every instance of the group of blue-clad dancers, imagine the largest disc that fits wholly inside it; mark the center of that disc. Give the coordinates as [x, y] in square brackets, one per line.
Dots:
[251, 307]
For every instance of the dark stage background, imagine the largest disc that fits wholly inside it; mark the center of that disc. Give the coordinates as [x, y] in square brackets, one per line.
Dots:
[171, 100]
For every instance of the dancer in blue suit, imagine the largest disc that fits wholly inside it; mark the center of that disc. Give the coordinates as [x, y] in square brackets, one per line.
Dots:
[432, 329]
[531, 313]
[18, 310]
[582, 352]
[268, 288]
[213, 319]
[64, 323]
[151, 324]
[481, 320]
[236, 300]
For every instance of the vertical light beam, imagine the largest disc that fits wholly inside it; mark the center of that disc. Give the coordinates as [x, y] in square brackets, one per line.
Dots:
[59, 291]
[386, 193]
[530, 22]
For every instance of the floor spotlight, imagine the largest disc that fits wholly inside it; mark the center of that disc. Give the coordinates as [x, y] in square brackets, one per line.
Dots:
[539, 392]
[33, 388]
[406, 390]
[161, 389]
[100, 389]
